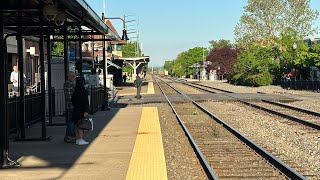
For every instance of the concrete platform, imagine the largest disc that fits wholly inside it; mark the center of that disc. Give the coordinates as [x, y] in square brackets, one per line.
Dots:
[106, 157]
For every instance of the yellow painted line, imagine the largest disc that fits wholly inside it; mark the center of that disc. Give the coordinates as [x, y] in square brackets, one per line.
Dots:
[147, 159]
[150, 88]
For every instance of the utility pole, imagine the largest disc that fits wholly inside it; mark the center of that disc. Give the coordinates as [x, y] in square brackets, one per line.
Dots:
[138, 43]
[203, 54]
[104, 7]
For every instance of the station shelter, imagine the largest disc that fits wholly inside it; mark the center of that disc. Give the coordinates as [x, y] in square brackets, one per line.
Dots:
[28, 29]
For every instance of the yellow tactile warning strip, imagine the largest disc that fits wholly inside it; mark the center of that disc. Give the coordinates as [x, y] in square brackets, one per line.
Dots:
[147, 159]
[150, 88]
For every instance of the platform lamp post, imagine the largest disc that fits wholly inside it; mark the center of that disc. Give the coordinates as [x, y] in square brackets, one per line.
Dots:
[125, 38]
[124, 31]
[294, 47]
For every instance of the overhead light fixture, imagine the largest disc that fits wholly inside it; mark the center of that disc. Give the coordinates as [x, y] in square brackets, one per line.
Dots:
[124, 35]
[60, 18]
[50, 11]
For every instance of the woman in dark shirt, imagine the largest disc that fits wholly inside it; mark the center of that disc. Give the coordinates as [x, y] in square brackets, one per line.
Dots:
[80, 104]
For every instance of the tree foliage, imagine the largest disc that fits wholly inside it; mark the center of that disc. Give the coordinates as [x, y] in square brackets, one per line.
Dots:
[268, 19]
[301, 58]
[299, 16]
[57, 49]
[131, 49]
[181, 64]
[222, 59]
[255, 65]
[256, 59]
[217, 44]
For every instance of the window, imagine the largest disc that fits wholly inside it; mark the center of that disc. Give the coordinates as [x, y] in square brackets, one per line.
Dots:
[117, 47]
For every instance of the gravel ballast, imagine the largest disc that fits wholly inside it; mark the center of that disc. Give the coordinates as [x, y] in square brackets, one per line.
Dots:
[298, 146]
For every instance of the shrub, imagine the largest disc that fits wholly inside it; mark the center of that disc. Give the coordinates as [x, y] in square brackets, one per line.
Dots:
[238, 78]
[261, 79]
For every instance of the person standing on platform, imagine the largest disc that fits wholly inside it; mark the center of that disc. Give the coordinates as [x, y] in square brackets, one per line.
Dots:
[124, 78]
[68, 91]
[138, 84]
[80, 108]
[14, 78]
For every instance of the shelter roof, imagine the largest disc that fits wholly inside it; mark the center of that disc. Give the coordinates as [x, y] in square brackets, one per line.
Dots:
[144, 59]
[30, 12]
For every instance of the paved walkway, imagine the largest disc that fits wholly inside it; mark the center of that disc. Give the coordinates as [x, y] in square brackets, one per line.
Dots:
[107, 155]
[126, 143]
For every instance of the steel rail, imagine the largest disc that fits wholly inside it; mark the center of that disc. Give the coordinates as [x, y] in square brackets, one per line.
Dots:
[298, 120]
[277, 163]
[214, 88]
[289, 117]
[205, 164]
[292, 107]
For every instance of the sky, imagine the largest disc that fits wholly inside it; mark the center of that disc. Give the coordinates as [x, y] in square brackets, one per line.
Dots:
[169, 27]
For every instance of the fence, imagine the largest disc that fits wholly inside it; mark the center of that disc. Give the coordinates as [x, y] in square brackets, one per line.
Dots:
[96, 96]
[298, 84]
[32, 113]
[33, 106]
[58, 103]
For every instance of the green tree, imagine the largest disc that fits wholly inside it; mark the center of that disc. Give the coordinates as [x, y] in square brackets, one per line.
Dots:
[300, 58]
[131, 49]
[168, 65]
[316, 50]
[256, 59]
[180, 65]
[57, 49]
[268, 19]
[299, 16]
[217, 44]
[185, 59]
[255, 65]
[261, 20]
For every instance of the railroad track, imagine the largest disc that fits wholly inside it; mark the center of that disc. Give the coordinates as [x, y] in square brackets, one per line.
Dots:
[298, 115]
[301, 116]
[223, 151]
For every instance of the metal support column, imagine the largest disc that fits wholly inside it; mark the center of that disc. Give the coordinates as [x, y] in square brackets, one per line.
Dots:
[66, 64]
[4, 124]
[21, 78]
[49, 78]
[4, 136]
[80, 53]
[65, 55]
[42, 80]
[105, 105]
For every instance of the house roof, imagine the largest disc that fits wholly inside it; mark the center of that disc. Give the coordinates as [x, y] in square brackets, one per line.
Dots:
[109, 24]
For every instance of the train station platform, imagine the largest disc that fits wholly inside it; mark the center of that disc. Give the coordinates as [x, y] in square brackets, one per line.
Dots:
[126, 143]
[130, 90]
